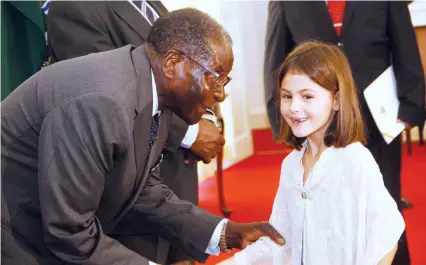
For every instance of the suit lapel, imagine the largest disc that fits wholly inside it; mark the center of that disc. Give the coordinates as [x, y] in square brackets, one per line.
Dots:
[348, 15]
[325, 16]
[143, 162]
[127, 12]
[141, 126]
[141, 135]
[309, 20]
[158, 146]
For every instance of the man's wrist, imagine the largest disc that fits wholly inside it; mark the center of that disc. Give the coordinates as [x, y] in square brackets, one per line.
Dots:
[213, 119]
[190, 136]
[223, 243]
[232, 236]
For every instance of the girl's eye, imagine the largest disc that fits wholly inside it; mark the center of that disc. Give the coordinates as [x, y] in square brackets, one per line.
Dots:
[286, 96]
[308, 97]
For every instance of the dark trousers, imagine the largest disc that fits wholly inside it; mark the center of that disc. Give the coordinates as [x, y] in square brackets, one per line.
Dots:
[388, 157]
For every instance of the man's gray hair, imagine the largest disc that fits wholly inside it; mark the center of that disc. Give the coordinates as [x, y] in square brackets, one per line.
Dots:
[187, 30]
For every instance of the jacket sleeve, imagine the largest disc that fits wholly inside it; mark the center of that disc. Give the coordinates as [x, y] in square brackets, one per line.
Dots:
[180, 222]
[278, 45]
[76, 149]
[407, 64]
[176, 134]
[76, 28]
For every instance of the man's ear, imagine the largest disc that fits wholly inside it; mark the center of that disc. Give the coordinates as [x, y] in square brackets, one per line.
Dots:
[336, 101]
[170, 63]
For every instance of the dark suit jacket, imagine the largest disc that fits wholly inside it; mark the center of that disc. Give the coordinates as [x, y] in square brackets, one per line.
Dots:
[78, 28]
[374, 35]
[74, 162]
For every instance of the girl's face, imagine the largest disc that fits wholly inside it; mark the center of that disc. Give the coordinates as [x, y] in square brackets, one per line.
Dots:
[306, 106]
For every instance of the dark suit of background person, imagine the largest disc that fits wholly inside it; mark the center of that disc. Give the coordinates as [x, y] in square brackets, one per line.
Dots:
[374, 35]
[77, 28]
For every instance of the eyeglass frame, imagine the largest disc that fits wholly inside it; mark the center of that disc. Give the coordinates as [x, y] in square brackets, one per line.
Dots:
[214, 73]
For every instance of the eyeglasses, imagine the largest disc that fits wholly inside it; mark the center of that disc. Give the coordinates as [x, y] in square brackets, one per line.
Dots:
[221, 80]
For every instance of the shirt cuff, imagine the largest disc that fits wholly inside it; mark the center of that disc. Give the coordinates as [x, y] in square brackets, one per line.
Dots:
[213, 247]
[190, 136]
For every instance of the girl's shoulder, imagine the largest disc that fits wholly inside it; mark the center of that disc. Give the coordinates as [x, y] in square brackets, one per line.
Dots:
[356, 157]
[356, 152]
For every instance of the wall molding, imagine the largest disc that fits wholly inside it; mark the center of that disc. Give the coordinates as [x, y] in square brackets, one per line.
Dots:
[258, 118]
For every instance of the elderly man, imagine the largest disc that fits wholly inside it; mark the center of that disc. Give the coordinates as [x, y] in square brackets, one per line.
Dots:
[82, 142]
[77, 28]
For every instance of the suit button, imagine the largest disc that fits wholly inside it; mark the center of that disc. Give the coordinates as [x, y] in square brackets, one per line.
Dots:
[340, 44]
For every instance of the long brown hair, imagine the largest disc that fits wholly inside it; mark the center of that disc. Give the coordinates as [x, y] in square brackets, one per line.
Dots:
[327, 66]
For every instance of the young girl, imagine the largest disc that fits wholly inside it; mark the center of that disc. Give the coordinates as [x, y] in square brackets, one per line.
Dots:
[331, 206]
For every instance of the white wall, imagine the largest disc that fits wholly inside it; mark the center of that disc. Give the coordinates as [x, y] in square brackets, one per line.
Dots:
[254, 16]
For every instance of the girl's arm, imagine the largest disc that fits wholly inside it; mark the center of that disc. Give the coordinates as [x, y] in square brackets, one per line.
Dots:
[384, 223]
[388, 258]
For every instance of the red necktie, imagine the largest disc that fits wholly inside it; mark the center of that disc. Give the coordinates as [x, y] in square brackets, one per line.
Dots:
[337, 11]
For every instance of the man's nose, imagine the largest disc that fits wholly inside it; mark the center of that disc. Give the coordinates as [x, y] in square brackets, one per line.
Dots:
[219, 95]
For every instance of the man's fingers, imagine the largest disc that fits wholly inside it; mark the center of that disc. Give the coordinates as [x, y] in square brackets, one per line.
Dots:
[273, 234]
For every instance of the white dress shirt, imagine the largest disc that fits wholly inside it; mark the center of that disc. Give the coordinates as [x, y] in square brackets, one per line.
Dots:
[343, 214]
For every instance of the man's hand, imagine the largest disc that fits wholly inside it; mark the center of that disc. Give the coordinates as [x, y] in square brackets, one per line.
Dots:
[209, 141]
[241, 235]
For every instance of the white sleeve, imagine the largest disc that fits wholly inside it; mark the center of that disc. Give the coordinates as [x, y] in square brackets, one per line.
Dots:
[264, 251]
[384, 222]
[190, 136]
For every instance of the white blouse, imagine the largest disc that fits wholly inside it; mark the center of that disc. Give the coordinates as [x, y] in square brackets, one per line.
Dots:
[342, 215]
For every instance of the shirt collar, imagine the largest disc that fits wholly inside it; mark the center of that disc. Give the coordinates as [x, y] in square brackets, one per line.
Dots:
[154, 97]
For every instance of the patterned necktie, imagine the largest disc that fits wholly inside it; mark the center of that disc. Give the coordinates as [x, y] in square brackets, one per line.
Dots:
[337, 11]
[154, 132]
[146, 10]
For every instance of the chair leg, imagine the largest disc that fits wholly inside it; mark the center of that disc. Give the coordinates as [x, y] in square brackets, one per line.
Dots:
[408, 134]
[421, 137]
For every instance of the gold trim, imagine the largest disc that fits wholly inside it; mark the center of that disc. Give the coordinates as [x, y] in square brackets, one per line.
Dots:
[388, 135]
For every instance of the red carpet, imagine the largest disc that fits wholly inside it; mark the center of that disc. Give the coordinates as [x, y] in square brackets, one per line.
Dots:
[250, 187]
